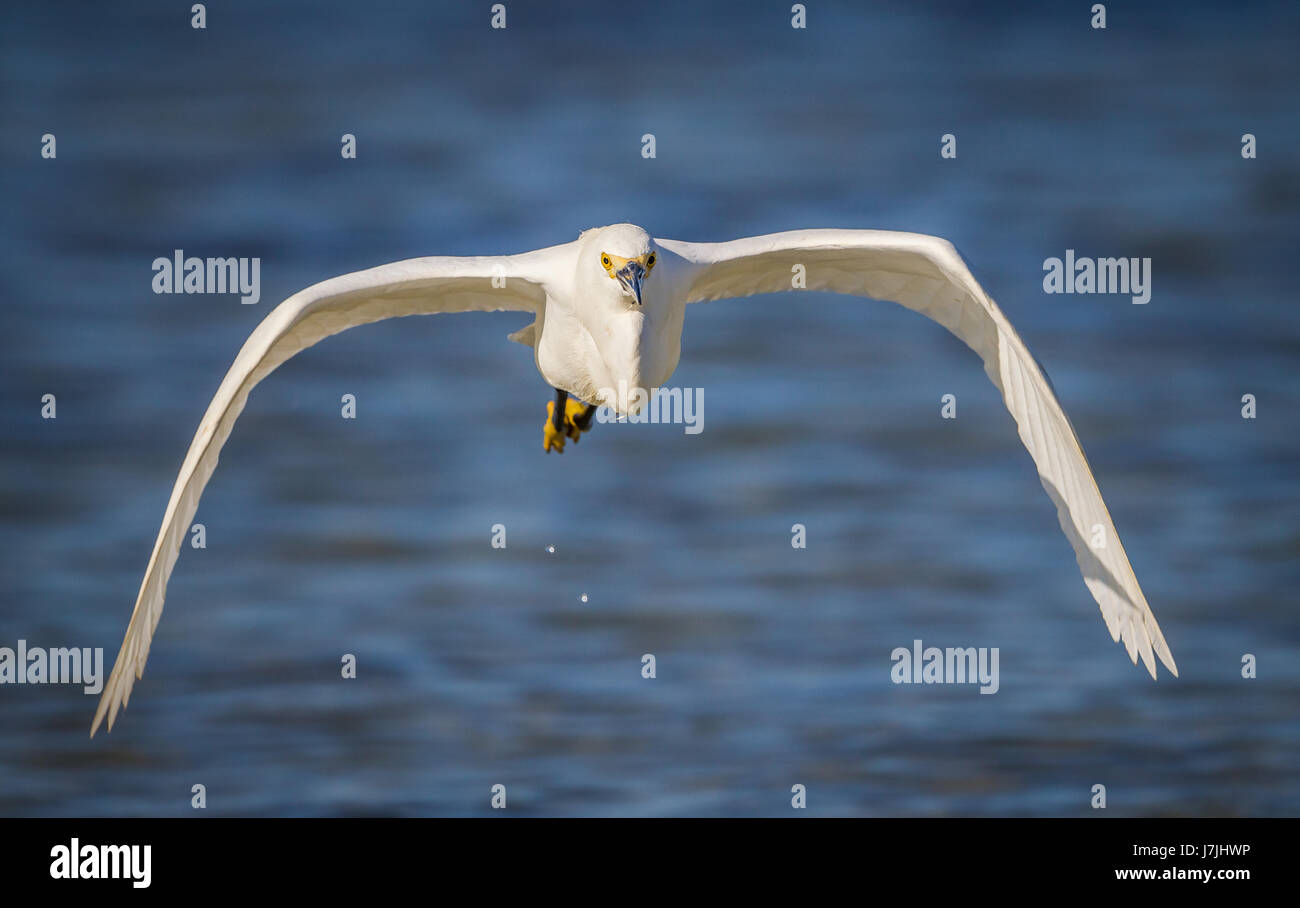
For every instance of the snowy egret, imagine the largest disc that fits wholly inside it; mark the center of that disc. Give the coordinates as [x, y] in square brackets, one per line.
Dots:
[608, 311]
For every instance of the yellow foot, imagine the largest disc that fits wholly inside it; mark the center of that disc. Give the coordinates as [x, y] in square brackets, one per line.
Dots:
[574, 411]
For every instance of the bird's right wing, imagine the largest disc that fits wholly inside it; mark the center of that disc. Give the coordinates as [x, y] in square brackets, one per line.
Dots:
[925, 274]
[423, 286]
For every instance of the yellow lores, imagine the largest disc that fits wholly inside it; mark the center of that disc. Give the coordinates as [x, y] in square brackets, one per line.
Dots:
[569, 418]
[613, 264]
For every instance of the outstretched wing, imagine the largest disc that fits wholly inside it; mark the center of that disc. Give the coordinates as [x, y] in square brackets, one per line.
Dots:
[422, 286]
[926, 274]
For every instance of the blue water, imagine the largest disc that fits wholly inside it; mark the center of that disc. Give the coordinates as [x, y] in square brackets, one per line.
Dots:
[480, 666]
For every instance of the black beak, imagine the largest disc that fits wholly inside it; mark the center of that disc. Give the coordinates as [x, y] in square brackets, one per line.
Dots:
[630, 276]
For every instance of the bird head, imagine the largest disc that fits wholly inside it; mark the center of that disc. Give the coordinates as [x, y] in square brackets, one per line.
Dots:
[629, 271]
[625, 255]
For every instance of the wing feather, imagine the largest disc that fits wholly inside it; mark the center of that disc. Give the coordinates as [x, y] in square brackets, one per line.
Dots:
[423, 286]
[927, 275]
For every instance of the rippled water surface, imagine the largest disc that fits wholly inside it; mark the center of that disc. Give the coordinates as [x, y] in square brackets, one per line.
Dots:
[480, 666]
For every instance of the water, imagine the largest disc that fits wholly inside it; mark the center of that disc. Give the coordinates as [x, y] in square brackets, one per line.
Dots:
[479, 666]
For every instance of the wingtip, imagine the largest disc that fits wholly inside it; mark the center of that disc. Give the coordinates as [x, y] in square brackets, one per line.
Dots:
[1163, 651]
[1166, 658]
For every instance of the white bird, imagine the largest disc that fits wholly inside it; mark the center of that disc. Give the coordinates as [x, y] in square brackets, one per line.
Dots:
[608, 311]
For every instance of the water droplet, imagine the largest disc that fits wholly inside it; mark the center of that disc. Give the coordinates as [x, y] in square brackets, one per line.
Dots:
[583, 597]
[551, 549]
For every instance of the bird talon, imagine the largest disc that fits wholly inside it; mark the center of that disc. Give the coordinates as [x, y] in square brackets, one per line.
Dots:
[552, 438]
[576, 419]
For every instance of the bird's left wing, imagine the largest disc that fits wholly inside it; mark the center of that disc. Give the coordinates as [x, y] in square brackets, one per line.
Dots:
[925, 274]
[423, 286]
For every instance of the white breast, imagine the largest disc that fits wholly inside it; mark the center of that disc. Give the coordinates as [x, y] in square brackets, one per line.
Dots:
[636, 349]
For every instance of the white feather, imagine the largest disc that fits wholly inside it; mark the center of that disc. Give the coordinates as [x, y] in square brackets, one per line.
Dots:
[925, 274]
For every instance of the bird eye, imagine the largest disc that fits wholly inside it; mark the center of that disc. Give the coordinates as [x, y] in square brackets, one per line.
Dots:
[650, 262]
[604, 260]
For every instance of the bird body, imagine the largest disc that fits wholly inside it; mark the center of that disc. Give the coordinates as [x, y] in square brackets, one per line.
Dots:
[609, 311]
[591, 342]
